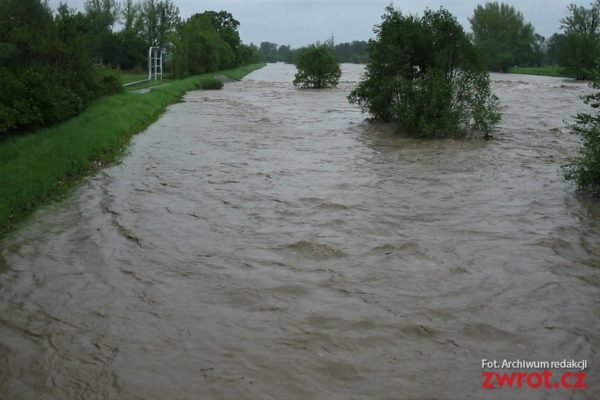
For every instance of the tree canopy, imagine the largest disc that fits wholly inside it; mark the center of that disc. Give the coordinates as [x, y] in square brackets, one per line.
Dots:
[424, 76]
[584, 170]
[503, 36]
[269, 52]
[208, 42]
[577, 49]
[317, 68]
[47, 73]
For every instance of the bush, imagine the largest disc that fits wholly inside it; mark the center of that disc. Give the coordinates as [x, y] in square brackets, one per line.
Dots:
[15, 109]
[585, 169]
[46, 76]
[210, 83]
[36, 97]
[317, 68]
[48, 99]
[424, 75]
[108, 80]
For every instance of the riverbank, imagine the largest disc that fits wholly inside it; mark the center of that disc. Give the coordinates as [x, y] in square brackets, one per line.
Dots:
[40, 167]
[541, 71]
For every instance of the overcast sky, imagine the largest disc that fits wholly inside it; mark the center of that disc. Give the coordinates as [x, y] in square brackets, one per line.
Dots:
[300, 22]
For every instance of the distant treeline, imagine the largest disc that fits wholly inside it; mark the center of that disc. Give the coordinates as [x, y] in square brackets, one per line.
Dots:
[506, 40]
[355, 52]
[55, 62]
[503, 39]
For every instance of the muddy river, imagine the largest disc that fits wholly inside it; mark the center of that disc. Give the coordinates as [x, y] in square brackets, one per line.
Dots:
[265, 242]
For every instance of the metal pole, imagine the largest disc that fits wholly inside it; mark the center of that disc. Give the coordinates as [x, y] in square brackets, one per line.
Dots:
[149, 63]
[161, 63]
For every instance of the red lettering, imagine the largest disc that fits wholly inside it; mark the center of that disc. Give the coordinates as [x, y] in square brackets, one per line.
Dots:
[530, 378]
[547, 376]
[533, 380]
[580, 384]
[564, 380]
[521, 376]
[487, 383]
[505, 378]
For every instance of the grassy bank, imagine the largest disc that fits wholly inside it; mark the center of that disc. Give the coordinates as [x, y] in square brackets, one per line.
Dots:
[238, 73]
[129, 77]
[548, 70]
[45, 165]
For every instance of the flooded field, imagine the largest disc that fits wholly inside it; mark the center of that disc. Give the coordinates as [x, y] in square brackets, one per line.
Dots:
[265, 242]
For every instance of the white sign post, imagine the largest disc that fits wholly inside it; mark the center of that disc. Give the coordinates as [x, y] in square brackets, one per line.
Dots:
[155, 63]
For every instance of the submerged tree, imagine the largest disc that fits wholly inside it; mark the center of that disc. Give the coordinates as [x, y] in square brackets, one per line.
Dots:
[424, 76]
[317, 68]
[585, 169]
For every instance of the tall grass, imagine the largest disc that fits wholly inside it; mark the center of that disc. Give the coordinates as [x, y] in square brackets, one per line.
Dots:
[41, 166]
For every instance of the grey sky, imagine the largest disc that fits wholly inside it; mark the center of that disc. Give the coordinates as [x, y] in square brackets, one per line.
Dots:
[300, 22]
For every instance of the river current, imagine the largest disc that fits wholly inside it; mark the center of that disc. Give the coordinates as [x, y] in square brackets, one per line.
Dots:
[266, 242]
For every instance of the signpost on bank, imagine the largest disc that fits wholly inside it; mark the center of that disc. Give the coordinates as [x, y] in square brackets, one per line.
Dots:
[155, 63]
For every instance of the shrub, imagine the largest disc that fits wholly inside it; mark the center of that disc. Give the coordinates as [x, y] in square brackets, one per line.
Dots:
[585, 169]
[424, 75]
[46, 75]
[109, 80]
[36, 97]
[317, 68]
[211, 83]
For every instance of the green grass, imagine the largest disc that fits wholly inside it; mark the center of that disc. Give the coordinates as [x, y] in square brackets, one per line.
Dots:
[45, 165]
[547, 70]
[147, 84]
[238, 73]
[127, 77]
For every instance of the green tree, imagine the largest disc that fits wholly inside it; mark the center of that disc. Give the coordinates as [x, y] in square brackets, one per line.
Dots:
[424, 76]
[156, 20]
[210, 41]
[131, 51]
[227, 27]
[317, 68]
[269, 51]
[584, 170]
[102, 13]
[46, 73]
[96, 27]
[540, 50]
[284, 53]
[503, 36]
[355, 52]
[248, 54]
[129, 14]
[578, 48]
[198, 47]
[551, 46]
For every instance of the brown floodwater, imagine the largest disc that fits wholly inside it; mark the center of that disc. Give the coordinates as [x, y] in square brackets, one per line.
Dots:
[265, 242]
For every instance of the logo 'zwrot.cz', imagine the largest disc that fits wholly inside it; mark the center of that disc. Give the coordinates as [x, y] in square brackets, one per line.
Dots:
[534, 379]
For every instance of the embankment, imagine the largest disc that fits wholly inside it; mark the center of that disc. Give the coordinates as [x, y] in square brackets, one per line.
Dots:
[39, 167]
